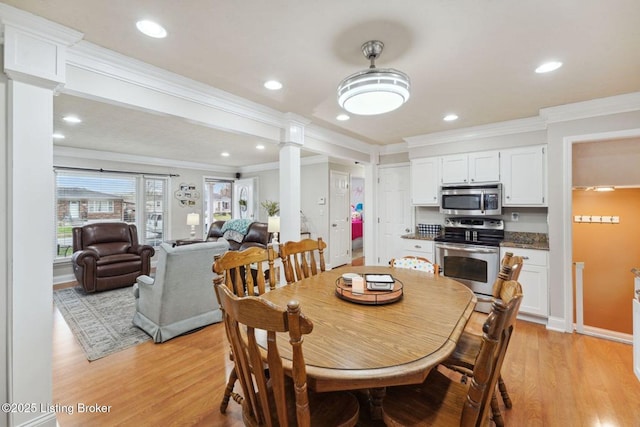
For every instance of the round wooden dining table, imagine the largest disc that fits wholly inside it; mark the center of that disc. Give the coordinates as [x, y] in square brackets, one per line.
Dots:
[361, 346]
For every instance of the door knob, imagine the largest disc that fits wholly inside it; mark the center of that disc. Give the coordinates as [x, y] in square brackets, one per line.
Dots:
[334, 225]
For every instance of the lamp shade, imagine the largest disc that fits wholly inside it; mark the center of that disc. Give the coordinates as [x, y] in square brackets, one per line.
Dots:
[273, 224]
[193, 219]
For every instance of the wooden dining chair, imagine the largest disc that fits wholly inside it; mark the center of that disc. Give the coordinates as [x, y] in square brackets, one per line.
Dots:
[462, 359]
[243, 272]
[442, 401]
[515, 262]
[415, 263]
[252, 325]
[299, 258]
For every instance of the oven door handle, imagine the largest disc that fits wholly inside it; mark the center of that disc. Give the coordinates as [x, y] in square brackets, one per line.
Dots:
[473, 250]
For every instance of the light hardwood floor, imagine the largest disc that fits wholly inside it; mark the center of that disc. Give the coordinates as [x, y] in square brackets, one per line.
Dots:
[554, 379]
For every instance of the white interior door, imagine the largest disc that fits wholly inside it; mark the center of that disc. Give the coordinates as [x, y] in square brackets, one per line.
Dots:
[339, 231]
[394, 212]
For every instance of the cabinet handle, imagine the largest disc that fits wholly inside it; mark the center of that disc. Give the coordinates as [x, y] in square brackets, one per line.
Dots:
[525, 257]
[508, 197]
[417, 246]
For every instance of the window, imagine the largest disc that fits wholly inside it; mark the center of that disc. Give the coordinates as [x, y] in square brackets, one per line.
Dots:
[88, 197]
[100, 206]
[217, 200]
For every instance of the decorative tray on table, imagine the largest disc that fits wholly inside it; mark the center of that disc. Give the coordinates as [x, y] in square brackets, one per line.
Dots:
[392, 292]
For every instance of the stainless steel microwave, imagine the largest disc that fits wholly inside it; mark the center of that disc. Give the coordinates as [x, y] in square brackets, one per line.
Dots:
[471, 200]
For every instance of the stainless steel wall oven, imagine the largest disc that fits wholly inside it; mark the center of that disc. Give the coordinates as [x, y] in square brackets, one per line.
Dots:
[469, 252]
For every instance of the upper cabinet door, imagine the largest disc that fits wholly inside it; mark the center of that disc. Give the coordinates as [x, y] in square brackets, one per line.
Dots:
[455, 169]
[471, 168]
[524, 176]
[425, 181]
[484, 166]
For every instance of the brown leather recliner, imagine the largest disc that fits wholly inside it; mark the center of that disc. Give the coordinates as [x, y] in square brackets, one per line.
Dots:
[107, 256]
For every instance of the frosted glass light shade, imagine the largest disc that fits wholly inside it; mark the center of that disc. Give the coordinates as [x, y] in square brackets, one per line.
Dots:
[374, 91]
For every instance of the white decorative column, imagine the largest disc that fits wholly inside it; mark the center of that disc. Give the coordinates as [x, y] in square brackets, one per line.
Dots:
[34, 65]
[291, 142]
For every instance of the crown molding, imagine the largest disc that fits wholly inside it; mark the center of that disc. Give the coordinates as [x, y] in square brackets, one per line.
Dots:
[335, 138]
[96, 59]
[530, 124]
[81, 153]
[37, 26]
[401, 147]
[592, 108]
[304, 161]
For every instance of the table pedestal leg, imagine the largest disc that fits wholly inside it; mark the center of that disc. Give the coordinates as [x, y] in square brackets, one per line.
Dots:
[375, 402]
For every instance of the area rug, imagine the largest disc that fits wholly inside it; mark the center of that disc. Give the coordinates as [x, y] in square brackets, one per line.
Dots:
[101, 322]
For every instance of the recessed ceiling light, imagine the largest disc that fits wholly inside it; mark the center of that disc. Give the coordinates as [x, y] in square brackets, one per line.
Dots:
[273, 85]
[58, 136]
[151, 29]
[72, 119]
[450, 117]
[224, 154]
[548, 67]
[260, 147]
[342, 117]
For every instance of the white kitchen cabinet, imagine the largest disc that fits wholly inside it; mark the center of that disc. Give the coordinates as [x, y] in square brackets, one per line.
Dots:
[425, 181]
[534, 280]
[524, 176]
[418, 247]
[471, 168]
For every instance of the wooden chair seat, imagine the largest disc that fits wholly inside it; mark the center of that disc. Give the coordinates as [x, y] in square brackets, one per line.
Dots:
[325, 409]
[442, 401]
[436, 402]
[252, 325]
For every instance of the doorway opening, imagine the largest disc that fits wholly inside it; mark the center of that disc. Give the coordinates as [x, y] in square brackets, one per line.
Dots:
[604, 234]
[357, 220]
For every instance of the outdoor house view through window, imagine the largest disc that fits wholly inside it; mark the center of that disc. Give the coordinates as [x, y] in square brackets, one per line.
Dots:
[217, 201]
[89, 197]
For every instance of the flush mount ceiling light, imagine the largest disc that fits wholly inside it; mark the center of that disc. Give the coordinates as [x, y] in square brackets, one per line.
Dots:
[375, 90]
[450, 117]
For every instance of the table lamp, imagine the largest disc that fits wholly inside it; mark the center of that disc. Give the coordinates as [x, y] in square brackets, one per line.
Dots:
[193, 219]
[273, 226]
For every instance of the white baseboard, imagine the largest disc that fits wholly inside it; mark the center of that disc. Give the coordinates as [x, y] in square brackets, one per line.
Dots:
[609, 335]
[64, 278]
[556, 324]
[44, 420]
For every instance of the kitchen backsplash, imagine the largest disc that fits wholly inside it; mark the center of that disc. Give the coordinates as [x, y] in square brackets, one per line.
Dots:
[533, 220]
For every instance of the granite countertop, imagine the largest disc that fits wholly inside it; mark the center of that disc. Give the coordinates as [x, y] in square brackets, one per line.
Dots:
[525, 240]
[420, 236]
[512, 239]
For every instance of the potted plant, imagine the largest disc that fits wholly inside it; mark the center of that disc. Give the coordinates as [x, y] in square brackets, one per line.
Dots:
[272, 208]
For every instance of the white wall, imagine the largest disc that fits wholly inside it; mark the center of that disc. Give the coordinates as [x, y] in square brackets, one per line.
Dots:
[559, 177]
[609, 162]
